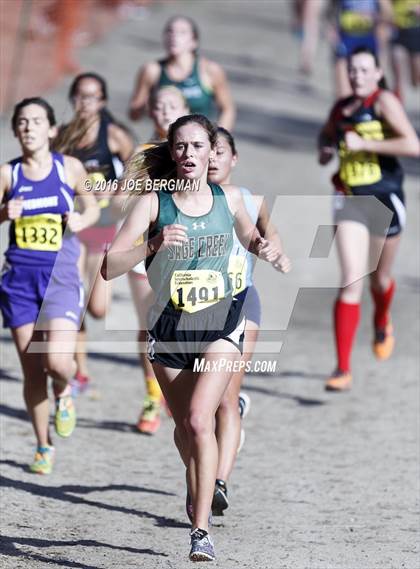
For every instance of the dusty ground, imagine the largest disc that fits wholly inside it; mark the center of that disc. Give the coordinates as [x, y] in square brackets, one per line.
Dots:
[324, 481]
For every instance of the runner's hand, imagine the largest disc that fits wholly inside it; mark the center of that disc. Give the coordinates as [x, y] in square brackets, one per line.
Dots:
[14, 209]
[267, 251]
[282, 264]
[354, 142]
[171, 236]
[325, 154]
[134, 113]
[73, 221]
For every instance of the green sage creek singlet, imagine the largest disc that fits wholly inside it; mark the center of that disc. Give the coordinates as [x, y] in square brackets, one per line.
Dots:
[199, 98]
[195, 275]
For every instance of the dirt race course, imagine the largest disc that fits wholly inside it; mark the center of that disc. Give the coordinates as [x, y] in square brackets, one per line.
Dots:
[324, 481]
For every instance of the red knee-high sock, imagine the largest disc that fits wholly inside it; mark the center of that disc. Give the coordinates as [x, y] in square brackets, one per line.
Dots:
[382, 300]
[346, 320]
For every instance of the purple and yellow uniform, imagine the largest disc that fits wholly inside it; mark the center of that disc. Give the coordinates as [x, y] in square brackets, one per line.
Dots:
[356, 23]
[40, 279]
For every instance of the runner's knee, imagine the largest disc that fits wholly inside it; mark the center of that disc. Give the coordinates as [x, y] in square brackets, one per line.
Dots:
[97, 310]
[353, 291]
[58, 367]
[380, 280]
[198, 424]
[229, 403]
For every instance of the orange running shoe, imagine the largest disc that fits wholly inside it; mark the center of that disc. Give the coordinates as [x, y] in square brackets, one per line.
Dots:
[339, 381]
[383, 343]
[149, 421]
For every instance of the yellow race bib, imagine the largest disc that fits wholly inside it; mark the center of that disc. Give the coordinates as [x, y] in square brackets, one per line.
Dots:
[97, 184]
[356, 22]
[98, 181]
[192, 291]
[103, 203]
[43, 232]
[361, 168]
[406, 13]
[237, 270]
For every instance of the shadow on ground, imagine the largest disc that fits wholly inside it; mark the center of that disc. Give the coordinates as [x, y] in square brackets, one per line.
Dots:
[66, 494]
[8, 547]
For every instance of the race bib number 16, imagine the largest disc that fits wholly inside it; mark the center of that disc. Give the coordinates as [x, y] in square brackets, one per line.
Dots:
[237, 273]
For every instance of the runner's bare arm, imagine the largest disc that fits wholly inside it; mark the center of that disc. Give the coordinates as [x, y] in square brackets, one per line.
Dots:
[222, 95]
[5, 179]
[269, 232]
[13, 208]
[120, 142]
[76, 176]
[386, 11]
[147, 78]
[326, 138]
[404, 142]
[246, 231]
[264, 224]
[124, 254]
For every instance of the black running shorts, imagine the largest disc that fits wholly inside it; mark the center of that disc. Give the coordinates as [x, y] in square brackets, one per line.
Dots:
[176, 338]
[366, 211]
[409, 38]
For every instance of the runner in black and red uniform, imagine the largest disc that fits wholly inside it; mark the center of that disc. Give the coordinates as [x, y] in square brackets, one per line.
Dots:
[368, 129]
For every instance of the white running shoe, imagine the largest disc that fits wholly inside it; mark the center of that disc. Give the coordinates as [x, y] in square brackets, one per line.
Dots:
[244, 403]
[241, 441]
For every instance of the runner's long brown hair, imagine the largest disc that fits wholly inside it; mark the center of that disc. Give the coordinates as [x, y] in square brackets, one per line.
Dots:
[156, 162]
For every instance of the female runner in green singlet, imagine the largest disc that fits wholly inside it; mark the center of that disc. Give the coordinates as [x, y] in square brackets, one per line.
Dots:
[194, 318]
[202, 81]
[166, 105]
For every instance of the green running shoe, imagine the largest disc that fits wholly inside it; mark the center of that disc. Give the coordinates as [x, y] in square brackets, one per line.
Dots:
[43, 461]
[65, 416]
